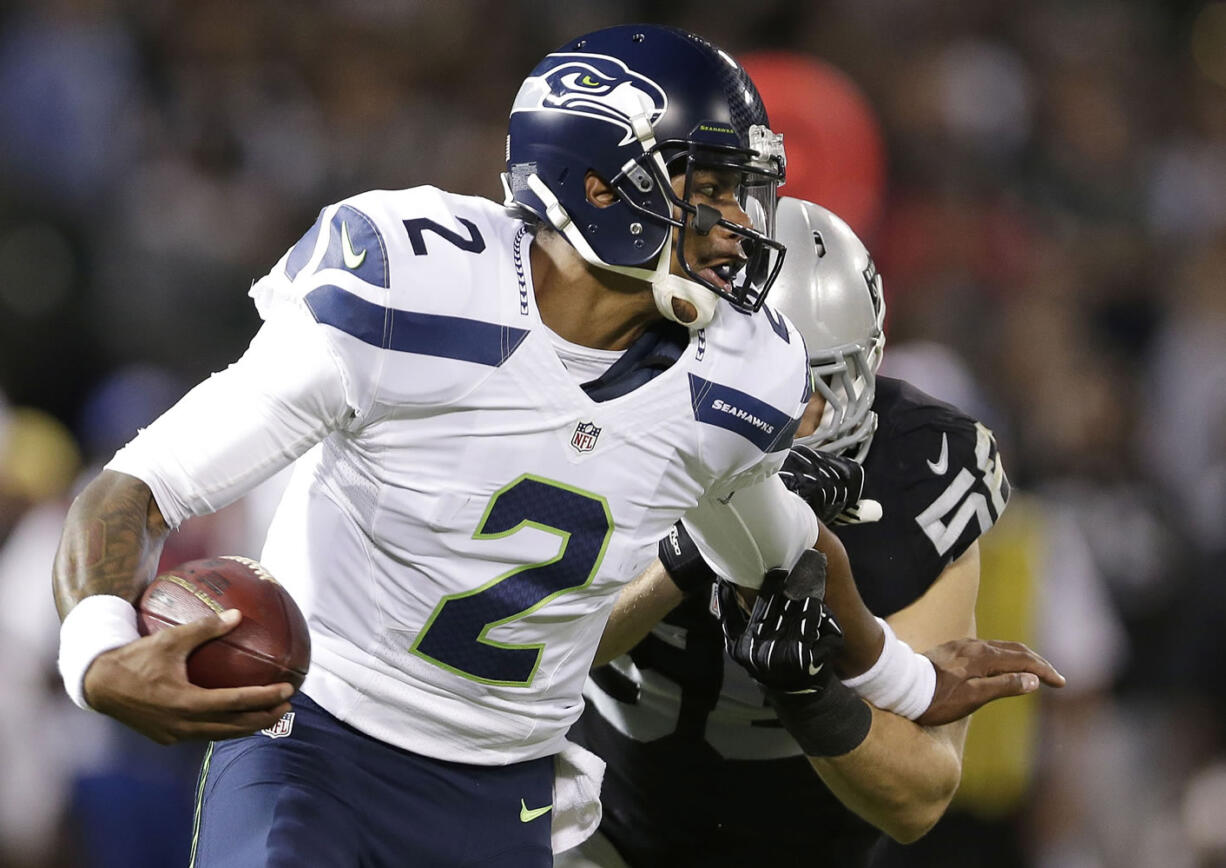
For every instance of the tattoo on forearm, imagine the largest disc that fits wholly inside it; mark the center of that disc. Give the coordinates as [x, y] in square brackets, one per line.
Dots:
[110, 545]
[95, 539]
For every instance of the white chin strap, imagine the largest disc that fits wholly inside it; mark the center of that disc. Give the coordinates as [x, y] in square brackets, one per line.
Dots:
[668, 286]
[665, 286]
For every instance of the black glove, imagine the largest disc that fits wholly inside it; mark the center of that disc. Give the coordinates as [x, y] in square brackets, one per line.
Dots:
[683, 562]
[790, 635]
[830, 484]
[787, 643]
[733, 616]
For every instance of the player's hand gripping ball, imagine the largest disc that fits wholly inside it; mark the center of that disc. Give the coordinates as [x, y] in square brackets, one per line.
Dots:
[271, 643]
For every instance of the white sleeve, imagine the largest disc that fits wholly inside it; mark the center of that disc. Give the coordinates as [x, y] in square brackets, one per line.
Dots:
[241, 425]
[760, 528]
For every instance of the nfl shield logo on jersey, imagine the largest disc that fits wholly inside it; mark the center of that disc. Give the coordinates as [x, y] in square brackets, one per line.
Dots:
[282, 727]
[584, 438]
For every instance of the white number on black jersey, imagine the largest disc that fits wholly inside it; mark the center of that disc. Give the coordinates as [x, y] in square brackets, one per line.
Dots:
[976, 495]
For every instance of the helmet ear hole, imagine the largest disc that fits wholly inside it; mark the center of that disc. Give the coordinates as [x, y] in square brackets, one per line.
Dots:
[598, 191]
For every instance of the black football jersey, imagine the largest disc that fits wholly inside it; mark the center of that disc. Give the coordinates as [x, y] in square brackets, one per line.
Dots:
[700, 772]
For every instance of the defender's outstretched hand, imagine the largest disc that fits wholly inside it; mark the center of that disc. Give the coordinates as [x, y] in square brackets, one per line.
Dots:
[144, 685]
[973, 672]
[830, 484]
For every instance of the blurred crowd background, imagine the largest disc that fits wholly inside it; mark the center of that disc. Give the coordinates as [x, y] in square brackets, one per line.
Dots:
[1042, 184]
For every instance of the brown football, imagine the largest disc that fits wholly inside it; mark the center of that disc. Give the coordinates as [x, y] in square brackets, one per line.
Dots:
[271, 644]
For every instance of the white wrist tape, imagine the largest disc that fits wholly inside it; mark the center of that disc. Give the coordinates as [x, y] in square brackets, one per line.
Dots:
[901, 680]
[96, 624]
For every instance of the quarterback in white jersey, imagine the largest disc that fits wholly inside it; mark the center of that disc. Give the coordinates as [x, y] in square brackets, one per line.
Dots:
[509, 408]
[458, 540]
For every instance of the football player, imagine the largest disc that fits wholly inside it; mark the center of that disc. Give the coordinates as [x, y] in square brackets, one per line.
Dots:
[509, 407]
[700, 768]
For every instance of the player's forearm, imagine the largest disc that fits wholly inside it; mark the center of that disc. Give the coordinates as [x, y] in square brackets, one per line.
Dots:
[111, 542]
[863, 636]
[642, 603]
[901, 778]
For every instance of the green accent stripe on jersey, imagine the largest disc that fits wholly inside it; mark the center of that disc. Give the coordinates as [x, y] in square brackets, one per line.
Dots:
[204, 774]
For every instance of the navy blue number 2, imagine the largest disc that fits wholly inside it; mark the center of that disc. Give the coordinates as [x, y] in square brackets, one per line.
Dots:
[455, 636]
[418, 228]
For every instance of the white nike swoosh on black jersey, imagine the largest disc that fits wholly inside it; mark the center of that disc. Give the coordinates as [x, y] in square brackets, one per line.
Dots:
[942, 463]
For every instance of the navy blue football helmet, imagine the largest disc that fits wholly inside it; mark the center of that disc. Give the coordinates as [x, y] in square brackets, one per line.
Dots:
[639, 105]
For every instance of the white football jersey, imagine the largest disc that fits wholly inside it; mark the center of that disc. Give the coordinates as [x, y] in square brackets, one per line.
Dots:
[457, 540]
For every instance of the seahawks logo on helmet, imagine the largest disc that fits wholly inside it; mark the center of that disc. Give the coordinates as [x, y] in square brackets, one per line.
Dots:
[595, 86]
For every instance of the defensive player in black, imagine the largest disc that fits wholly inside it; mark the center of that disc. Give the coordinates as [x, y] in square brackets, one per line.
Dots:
[700, 769]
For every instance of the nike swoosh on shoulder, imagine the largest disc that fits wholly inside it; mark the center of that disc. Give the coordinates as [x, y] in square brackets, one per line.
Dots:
[527, 815]
[941, 465]
[353, 259]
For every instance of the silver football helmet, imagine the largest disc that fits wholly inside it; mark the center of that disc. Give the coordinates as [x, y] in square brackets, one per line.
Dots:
[830, 290]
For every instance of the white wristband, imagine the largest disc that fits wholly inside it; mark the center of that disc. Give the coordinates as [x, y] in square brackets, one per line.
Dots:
[901, 680]
[96, 624]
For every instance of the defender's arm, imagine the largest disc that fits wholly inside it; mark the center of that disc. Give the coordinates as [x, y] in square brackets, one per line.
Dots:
[641, 604]
[895, 773]
[902, 777]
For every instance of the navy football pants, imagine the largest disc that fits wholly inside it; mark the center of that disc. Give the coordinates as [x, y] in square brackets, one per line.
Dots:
[327, 796]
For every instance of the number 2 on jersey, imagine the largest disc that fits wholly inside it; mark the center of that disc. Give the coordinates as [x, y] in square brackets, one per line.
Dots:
[418, 228]
[455, 636]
